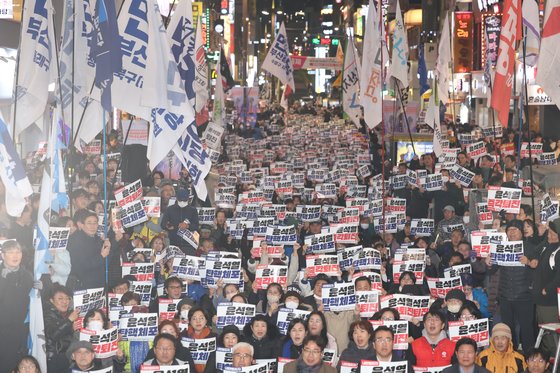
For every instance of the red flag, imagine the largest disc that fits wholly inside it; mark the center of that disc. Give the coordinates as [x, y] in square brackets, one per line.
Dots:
[503, 81]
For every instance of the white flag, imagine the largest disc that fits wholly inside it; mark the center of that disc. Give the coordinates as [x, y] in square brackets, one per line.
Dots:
[442, 63]
[530, 11]
[37, 64]
[149, 85]
[350, 84]
[219, 108]
[432, 119]
[181, 38]
[549, 56]
[399, 56]
[371, 85]
[278, 62]
[201, 70]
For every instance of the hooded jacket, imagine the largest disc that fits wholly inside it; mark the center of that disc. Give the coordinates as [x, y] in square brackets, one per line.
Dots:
[509, 361]
[426, 356]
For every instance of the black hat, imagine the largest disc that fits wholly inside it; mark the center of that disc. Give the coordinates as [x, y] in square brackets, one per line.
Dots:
[555, 225]
[321, 276]
[456, 294]
[183, 195]
[515, 223]
[76, 345]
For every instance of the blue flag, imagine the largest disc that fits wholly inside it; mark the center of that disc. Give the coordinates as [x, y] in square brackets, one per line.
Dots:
[422, 70]
[106, 49]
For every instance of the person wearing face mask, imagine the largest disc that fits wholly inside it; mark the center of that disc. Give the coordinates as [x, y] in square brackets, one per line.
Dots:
[180, 216]
[292, 299]
[366, 232]
[96, 321]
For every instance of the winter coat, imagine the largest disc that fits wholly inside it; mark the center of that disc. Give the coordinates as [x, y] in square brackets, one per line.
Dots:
[426, 356]
[547, 276]
[509, 361]
[265, 348]
[175, 215]
[292, 367]
[59, 330]
[353, 354]
[88, 266]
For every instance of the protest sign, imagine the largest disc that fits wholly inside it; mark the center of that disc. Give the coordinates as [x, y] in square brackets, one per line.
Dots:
[189, 267]
[399, 182]
[549, 208]
[367, 258]
[476, 150]
[224, 358]
[256, 368]
[268, 273]
[346, 256]
[58, 238]
[129, 193]
[434, 182]
[477, 330]
[145, 253]
[348, 215]
[340, 296]
[206, 215]
[226, 269]
[281, 235]
[133, 214]
[89, 299]
[429, 369]
[138, 326]
[189, 236]
[152, 206]
[439, 287]
[200, 348]
[326, 264]
[370, 366]
[282, 361]
[457, 270]
[368, 302]
[415, 266]
[484, 215]
[285, 315]
[482, 241]
[410, 253]
[93, 148]
[143, 289]
[507, 253]
[400, 330]
[322, 243]
[308, 213]
[387, 225]
[181, 368]
[395, 205]
[345, 233]
[105, 342]
[422, 227]
[408, 306]
[325, 190]
[259, 226]
[167, 308]
[536, 150]
[237, 314]
[140, 271]
[548, 159]
[507, 199]
[462, 175]
[348, 367]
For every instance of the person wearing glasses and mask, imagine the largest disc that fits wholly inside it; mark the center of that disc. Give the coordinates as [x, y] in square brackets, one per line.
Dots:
[311, 358]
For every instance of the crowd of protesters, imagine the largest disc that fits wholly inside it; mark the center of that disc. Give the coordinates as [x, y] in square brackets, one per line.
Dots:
[514, 298]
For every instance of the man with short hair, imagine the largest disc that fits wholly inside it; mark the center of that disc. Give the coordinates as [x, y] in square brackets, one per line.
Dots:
[383, 338]
[500, 355]
[15, 284]
[537, 360]
[173, 288]
[242, 354]
[465, 353]
[449, 219]
[165, 349]
[433, 349]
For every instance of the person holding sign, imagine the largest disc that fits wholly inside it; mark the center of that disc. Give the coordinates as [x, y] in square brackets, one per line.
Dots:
[311, 359]
[433, 349]
[360, 346]
[97, 321]
[383, 338]
[175, 218]
[200, 328]
[500, 355]
[465, 352]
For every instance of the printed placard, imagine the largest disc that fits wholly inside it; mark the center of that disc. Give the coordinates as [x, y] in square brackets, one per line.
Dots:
[152, 206]
[189, 236]
[422, 227]
[181, 368]
[346, 256]
[363, 171]
[326, 190]
[286, 315]
[206, 215]
[138, 326]
[345, 233]
[462, 175]
[322, 243]
[399, 182]
[368, 302]
[268, 273]
[429, 369]
[93, 148]
[536, 150]
[167, 308]
[326, 264]
[507, 199]
[439, 287]
[360, 203]
[256, 368]
[140, 271]
[415, 266]
[549, 208]
[142, 288]
[146, 252]
[133, 214]
[476, 150]
[477, 330]
[105, 342]
[482, 241]
[374, 208]
[348, 215]
[200, 348]
[308, 213]
[224, 358]
[434, 182]
[89, 299]
[507, 254]
[129, 193]
[400, 330]
[237, 314]
[273, 251]
[410, 253]
[281, 235]
[484, 216]
[189, 267]
[457, 270]
[548, 159]
[259, 226]
[58, 238]
[348, 367]
[340, 296]
[226, 269]
[387, 225]
[370, 366]
[282, 361]
[367, 258]
[409, 306]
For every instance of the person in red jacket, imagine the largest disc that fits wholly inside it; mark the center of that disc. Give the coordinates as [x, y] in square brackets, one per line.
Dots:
[433, 349]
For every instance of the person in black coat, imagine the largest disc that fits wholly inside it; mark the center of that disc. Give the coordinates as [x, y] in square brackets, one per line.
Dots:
[88, 252]
[263, 336]
[15, 284]
[180, 216]
[360, 346]
[59, 327]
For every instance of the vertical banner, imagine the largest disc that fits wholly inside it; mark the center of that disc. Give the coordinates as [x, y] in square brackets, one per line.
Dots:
[463, 42]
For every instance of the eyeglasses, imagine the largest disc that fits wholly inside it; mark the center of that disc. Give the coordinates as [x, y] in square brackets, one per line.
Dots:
[27, 368]
[384, 340]
[536, 360]
[311, 352]
[242, 356]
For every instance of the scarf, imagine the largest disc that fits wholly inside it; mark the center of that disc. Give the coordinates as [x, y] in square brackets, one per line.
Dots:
[301, 367]
[7, 270]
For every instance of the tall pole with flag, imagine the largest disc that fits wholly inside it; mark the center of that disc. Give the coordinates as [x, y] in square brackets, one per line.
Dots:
[549, 56]
[278, 62]
[201, 71]
[351, 84]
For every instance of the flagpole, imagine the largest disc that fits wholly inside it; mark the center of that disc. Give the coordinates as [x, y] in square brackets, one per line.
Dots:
[57, 57]
[166, 23]
[383, 144]
[452, 74]
[105, 210]
[17, 75]
[404, 115]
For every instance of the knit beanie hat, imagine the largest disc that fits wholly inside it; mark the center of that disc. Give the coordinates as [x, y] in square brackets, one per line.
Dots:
[555, 225]
[501, 330]
[515, 223]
